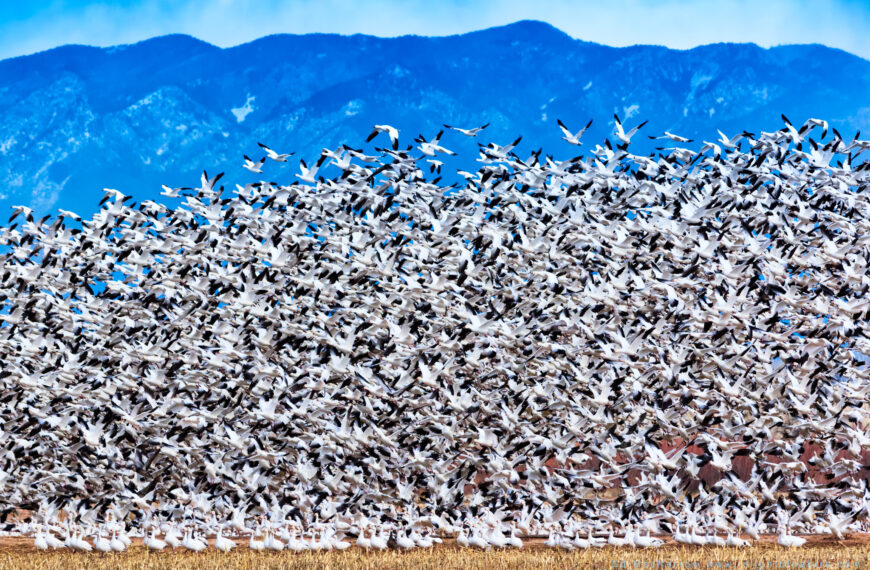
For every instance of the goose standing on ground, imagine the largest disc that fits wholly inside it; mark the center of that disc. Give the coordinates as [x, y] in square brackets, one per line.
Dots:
[79, 543]
[116, 543]
[255, 544]
[614, 540]
[788, 540]
[403, 541]
[223, 543]
[462, 539]
[53, 542]
[271, 541]
[102, 544]
[379, 540]
[40, 541]
[363, 540]
[152, 542]
[647, 541]
[192, 543]
[514, 540]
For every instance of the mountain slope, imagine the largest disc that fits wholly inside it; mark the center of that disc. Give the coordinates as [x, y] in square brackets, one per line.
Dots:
[76, 119]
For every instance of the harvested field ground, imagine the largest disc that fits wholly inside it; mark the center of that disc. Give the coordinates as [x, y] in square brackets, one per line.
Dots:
[19, 554]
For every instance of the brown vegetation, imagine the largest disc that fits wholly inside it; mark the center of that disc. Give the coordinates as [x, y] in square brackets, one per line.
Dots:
[818, 553]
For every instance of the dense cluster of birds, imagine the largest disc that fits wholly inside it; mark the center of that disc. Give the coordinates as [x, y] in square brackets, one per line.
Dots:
[543, 346]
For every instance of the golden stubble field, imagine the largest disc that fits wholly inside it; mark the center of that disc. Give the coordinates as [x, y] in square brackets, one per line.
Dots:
[853, 553]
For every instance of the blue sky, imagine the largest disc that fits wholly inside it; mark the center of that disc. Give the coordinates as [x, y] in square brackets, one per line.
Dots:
[31, 26]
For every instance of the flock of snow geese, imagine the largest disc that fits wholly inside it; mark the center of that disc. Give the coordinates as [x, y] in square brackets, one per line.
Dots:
[543, 347]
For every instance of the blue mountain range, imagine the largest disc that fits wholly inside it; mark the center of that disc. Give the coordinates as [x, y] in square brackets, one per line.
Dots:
[76, 119]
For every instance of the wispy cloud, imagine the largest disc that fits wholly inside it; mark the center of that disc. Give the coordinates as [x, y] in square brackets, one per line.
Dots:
[30, 27]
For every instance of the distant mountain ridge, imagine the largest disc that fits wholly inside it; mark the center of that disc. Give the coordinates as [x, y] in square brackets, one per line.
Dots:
[76, 119]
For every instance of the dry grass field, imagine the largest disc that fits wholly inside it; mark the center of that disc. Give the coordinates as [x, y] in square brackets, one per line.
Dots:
[820, 553]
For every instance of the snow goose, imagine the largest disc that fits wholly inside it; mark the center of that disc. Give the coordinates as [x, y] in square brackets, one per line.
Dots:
[192, 543]
[79, 543]
[496, 537]
[116, 543]
[614, 540]
[647, 541]
[363, 541]
[172, 536]
[274, 155]
[403, 541]
[462, 538]
[431, 148]
[254, 544]
[573, 138]
[272, 542]
[788, 540]
[40, 541]
[423, 540]
[673, 137]
[223, 543]
[309, 174]
[102, 544]
[468, 132]
[391, 131]
[53, 542]
[336, 540]
[124, 537]
[379, 540]
[477, 540]
[152, 542]
[734, 540]
[256, 167]
[622, 135]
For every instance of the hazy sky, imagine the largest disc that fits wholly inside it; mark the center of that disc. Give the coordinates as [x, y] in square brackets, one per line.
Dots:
[31, 26]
